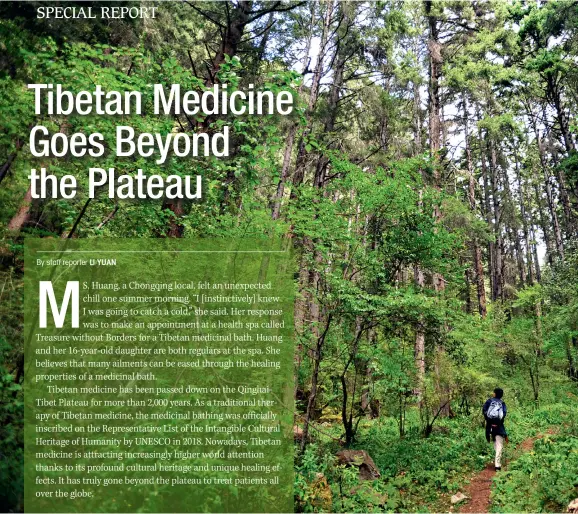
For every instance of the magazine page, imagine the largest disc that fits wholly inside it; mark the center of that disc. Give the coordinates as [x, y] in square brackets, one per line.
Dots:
[272, 256]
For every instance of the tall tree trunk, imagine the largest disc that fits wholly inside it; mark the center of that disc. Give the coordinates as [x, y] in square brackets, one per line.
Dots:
[317, 357]
[487, 207]
[419, 278]
[300, 164]
[468, 288]
[536, 259]
[22, 216]
[553, 92]
[417, 118]
[569, 217]
[547, 186]
[523, 214]
[342, 54]
[419, 345]
[512, 229]
[497, 283]
[544, 224]
[519, 257]
[550, 198]
[279, 193]
[476, 250]
[307, 245]
[435, 69]
[434, 107]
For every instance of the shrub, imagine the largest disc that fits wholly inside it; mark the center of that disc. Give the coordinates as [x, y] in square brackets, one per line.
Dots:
[542, 480]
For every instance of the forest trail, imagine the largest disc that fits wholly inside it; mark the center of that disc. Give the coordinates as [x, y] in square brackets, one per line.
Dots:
[479, 489]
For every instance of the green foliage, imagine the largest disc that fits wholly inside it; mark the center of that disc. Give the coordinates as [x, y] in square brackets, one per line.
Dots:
[569, 166]
[428, 467]
[542, 480]
[420, 474]
[322, 485]
[11, 435]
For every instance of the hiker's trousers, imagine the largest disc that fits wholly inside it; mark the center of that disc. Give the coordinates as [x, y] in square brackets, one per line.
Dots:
[498, 446]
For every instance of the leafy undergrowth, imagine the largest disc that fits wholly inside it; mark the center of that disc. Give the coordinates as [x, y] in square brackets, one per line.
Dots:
[420, 475]
[415, 472]
[424, 469]
[11, 438]
[542, 480]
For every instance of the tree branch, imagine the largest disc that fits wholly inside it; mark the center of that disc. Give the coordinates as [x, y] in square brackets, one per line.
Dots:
[205, 15]
[260, 33]
[263, 12]
[111, 215]
[77, 221]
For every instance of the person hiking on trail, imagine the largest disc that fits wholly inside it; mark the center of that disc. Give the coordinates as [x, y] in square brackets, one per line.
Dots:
[495, 411]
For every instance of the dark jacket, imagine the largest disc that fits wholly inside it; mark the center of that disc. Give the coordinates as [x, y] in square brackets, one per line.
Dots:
[494, 427]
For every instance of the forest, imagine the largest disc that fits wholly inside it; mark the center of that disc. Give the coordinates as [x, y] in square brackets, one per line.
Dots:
[427, 180]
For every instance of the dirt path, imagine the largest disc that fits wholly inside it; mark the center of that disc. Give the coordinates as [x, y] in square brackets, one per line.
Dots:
[480, 486]
[479, 491]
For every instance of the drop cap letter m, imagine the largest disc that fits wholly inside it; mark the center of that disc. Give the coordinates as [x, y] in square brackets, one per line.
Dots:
[72, 291]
